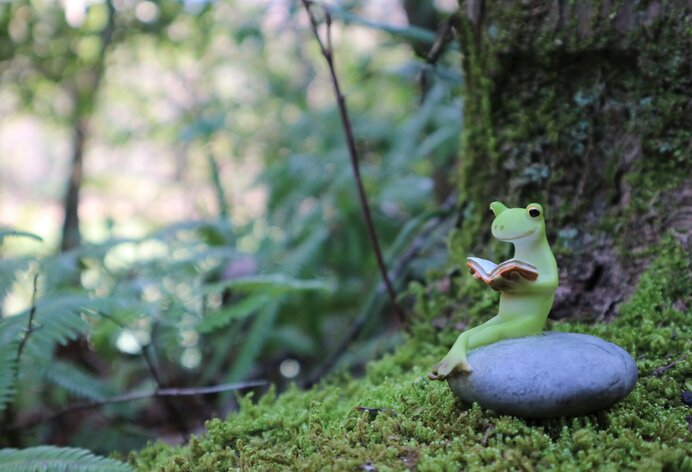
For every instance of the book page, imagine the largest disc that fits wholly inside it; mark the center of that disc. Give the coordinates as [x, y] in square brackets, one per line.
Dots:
[524, 269]
[485, 264]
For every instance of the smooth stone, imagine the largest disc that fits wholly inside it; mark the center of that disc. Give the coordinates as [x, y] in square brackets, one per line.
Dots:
[547, 376]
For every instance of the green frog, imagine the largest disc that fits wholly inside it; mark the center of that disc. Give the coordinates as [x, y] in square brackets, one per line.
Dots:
[524, 304]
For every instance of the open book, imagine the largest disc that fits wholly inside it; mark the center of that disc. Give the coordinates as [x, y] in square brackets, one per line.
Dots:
[488, 270]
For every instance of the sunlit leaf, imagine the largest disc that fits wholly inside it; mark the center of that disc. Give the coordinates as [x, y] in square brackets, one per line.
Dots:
[238, 310]
[269, 284]
[14, 233]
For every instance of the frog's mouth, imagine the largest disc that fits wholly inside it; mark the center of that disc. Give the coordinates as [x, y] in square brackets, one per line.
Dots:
[513, 238]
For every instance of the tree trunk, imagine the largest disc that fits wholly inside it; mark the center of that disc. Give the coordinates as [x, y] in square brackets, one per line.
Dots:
[84, 98]
[70, 228]
[582, 106]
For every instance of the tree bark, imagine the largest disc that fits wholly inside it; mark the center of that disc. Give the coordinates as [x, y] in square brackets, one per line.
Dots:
[70, 228]
[84, 98]
[582, 106]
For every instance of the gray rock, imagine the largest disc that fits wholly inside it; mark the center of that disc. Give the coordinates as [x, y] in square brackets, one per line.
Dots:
[547, 376]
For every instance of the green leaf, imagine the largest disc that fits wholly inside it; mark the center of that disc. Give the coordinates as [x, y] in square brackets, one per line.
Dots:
[77, 381]
[262, 326]
[409, 32]
[238, 310]
[10, 269]
[56, 320]
[8, 232]
[294, 339]
[269, 284]
[57, 459]
[8, 368]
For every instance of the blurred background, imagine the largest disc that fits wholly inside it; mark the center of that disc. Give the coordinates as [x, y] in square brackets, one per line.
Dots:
[185, 169]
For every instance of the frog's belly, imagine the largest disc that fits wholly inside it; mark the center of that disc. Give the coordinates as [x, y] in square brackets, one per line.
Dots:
[514, 305]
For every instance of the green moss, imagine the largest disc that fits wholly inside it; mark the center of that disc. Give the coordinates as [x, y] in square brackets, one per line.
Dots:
[394, 419]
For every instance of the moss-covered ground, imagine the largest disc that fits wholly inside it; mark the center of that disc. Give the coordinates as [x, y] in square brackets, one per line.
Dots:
[395, 419]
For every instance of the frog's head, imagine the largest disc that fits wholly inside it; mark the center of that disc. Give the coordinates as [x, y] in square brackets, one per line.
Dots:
[517, 224]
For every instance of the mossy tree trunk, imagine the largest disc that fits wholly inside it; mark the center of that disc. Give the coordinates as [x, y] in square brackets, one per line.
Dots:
[583, 106]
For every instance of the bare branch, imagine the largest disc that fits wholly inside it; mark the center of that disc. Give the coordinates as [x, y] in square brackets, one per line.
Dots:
[444, 37]
[135, 396]
[162, 392]
[328, 54]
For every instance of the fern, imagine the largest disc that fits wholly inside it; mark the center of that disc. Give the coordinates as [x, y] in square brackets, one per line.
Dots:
[239, 310]
[262, 327]
[8, 369]
[297, 258]
[60, 328]
[273, 284]
[9, 232]
[56, 320]
[57, 459]
[10, 269]
[77, 381]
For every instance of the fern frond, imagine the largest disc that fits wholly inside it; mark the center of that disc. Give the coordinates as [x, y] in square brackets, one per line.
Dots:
[9, 232]
[257, 336]
[239, 310]
[56, 320]
[8, 369]
[57, 459]
[9, 271]
[77, 381]
[273, 284]
[308, 250]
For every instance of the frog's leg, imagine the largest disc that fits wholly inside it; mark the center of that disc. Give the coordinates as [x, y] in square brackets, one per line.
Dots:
[513, 328]
[456, 357]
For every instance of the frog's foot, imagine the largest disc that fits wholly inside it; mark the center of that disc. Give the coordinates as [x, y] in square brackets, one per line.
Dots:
[447, 366]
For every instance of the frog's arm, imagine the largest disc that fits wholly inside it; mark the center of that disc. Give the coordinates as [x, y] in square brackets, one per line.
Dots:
[521, 285]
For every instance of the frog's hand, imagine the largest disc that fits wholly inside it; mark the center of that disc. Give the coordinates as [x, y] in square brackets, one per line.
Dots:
[508, 281]
[513, 267]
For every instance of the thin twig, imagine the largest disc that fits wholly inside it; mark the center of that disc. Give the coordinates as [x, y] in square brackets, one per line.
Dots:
[659, 371]
[146, 355]
[486, 435]
[135, 396]
[173, 411]
[29, 324]
[442, 40]
[163, 392]
[328, 54]
[10, 412]
[224, 212]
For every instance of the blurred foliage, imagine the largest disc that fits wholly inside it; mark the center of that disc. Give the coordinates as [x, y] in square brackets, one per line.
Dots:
[50, 56]
[236, 295]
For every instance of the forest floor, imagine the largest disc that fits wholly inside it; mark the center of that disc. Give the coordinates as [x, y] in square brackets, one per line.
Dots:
[395, 419]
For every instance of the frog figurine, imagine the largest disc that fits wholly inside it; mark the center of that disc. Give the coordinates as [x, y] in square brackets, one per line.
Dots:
[524, 304]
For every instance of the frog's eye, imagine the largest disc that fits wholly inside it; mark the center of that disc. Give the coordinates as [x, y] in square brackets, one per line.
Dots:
[534, 212]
